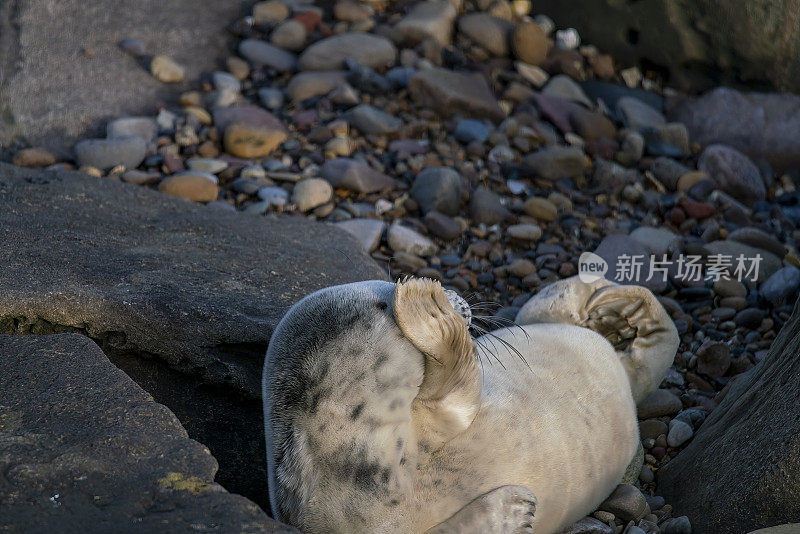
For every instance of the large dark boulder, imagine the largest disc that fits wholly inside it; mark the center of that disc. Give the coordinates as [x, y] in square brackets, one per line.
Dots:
[761, 125]
[62, 74]
[742, 470]
[83, 449]
[698, 43]
[181, 296]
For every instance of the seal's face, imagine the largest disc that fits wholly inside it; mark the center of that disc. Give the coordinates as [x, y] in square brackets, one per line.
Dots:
[459, 305]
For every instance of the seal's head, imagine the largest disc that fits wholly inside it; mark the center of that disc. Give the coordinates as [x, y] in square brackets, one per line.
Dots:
[344, 371]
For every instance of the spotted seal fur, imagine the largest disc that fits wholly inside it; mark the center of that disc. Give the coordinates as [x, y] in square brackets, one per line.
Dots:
[383, 414]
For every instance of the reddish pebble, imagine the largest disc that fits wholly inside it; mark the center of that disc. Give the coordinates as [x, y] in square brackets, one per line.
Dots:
[566, 269]
[676, 216]
[658, 452]
[697, 210]
[305, 119]
[480, 249]
[173, 163]
[602, 148]
[410, 204]
[309, 19]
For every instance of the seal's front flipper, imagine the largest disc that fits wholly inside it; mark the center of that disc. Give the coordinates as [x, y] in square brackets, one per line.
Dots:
[505, 510]
[450, 393]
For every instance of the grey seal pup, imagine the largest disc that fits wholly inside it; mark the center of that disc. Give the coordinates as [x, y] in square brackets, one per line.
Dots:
[383, 414]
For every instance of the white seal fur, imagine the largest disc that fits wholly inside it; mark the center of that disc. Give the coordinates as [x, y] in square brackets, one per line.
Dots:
[382, 414]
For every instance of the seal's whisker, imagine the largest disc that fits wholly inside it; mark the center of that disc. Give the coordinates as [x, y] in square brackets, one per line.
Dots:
[499, 322]
[485, 304]
[482, 307]
[493, 350]
[511, 348]
[472, 296]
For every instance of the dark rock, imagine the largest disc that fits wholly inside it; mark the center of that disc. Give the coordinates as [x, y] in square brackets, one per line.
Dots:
[668, 171]
[442, 226]
[760, 125]
[603, 147]
[490, 33]
[677, 525]
[781, 287]
[638, 115]
[469, 130]
[614, 247]
[758, 238]
[53, 95]
[250, 115]
[625, 502]
[306, 85]
[734, 173]
[562, 86]
[365, 79]
[373, 121]
[557, 110]
[367, 231]
[400, 76]
[655, 502]
[741, 470]
[438, 188]
[652, 428]
[485, 207]
[591, 125]
[562, 61]
[354, 175]
[713, 359]
[428, 20]
[411, 147]
[610, 93]
[749, 318]
[658, 148]
[451, 92]
[85, 449]
[181, 297]
[263, 54]
[658, 403]
[657, 240]
[144, 127]
[373, 51]
[697, 210]
[613, 177]
[106, 153]
[790, 206]
[557, 162]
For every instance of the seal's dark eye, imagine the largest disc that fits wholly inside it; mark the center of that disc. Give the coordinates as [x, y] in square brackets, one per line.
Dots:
[381, 305]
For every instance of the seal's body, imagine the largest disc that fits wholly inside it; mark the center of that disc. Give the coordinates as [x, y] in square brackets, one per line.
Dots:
[382, 414]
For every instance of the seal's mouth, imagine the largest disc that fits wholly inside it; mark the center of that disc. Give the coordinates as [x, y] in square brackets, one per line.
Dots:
[459, 305]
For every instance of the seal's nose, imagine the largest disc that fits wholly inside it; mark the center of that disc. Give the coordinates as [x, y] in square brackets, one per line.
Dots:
[459, 305]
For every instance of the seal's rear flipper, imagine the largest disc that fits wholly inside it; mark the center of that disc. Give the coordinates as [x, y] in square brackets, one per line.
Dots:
[505, 510]
[629, 317]
[645, 337]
